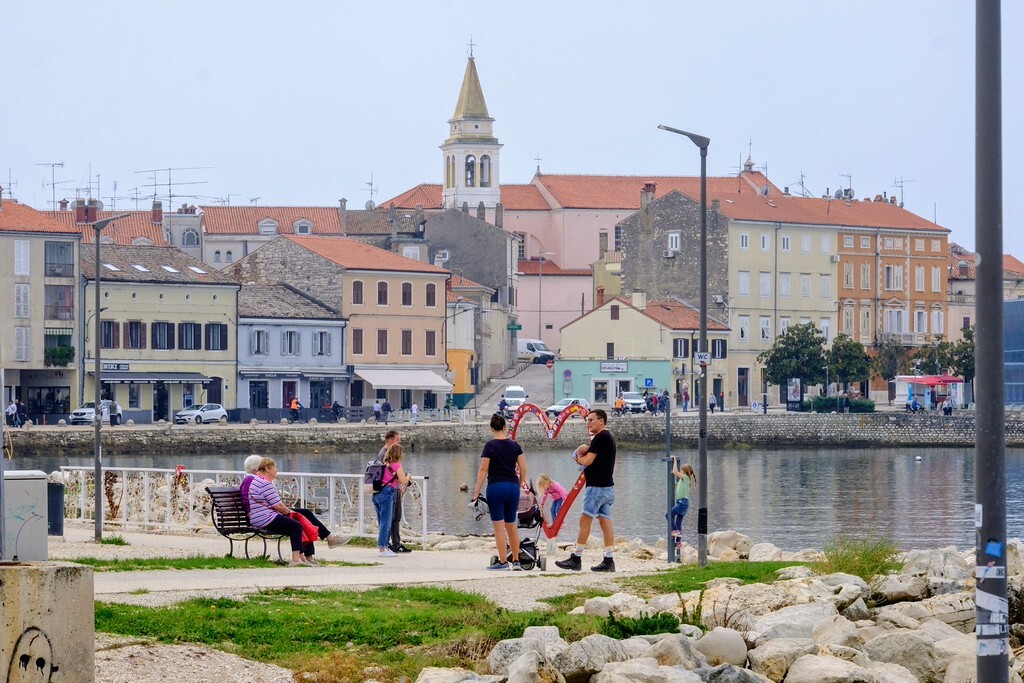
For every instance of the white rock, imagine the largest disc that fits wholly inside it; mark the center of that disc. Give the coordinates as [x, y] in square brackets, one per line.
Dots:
[666, 602]
[542, 633]
[1014, 557]
[887, 672]
[944, 563]
[643, 670]
[894, 619]
[533, 667]
[837, 631]
[507, 651]
[938, 630]
[818, 669]
[805, 555]
[857, 610]
[955, 609]
[432, 674]
[899, 587]
[773, 658]
[676, 650]
[636, 646]
[619, 604]
[723, 646]
[850, 654]
[764, 552]
[588, 656]
[797, 571]
[911, 649]
[791, 622]
[841, 579]
[719, 541]
[690, 631]
[728, 673]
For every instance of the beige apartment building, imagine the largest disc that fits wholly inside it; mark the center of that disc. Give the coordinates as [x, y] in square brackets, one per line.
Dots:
[39, 342]
[167, 331]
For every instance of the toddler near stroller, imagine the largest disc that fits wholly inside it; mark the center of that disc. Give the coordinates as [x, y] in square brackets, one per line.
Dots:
[528, 516]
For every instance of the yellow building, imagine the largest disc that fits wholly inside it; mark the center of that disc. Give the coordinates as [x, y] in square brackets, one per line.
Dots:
[167, 331]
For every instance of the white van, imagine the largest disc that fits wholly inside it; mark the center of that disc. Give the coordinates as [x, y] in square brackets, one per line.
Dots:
[515, 396]
[535, 351]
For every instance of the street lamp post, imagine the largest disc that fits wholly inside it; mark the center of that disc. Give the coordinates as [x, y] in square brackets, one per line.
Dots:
[702, 439]
[97, 414]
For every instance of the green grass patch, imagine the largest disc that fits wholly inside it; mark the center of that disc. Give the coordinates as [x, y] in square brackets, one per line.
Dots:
[692, 577]
[863, 557]
[113, 540]
[336, 635]
[159, 563]
[626, 627]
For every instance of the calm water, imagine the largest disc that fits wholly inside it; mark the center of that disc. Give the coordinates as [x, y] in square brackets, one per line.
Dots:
[793, 499]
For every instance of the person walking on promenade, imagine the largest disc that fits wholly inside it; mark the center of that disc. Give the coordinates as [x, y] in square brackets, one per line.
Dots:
[395, 538]
[414, 413]
[384, 500]
[12, 413]
[385, 410]
[503, 467]
[598, 461]
[376, 410]
[686, 400]
[712, 402]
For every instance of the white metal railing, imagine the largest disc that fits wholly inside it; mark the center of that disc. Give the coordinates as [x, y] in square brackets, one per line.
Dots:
[176, 499]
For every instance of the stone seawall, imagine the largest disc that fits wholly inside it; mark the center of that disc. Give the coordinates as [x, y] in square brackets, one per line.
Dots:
[762, 431]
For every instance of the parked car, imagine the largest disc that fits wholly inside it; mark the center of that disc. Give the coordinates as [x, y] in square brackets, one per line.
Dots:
[555, 409]
[515, 396]
[86, 414]
[206, 412]
[635, 401]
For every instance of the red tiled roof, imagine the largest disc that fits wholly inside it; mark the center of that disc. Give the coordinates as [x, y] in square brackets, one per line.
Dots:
[17, 217]
[955, 259]
[428, 195]
[623, 192]
[533, 267]
[513, 198]
[1012, 264]
[124, 231]
[523, 198]
[459, 281]
[821, 211]
[353, 254]
[244, 220]
[680, 316]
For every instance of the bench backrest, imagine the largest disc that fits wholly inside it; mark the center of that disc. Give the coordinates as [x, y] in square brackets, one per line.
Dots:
[228, 511]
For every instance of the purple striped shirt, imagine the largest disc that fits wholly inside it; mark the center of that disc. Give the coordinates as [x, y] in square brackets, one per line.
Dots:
[262, 495]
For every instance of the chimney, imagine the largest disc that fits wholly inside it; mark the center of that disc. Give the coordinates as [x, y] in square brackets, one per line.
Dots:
[80, 212]
[157, 213]
[343, 214]
[499, 214]
[600, 297]
[647, 195]
[419, 214]
[465, 208]
[92, 210]
[481, 211]
[63, 204]
[639, 299]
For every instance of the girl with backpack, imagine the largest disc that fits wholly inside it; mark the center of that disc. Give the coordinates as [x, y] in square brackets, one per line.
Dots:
[384, 500]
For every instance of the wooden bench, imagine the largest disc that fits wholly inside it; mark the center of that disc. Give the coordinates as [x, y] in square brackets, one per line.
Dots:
[231, 520]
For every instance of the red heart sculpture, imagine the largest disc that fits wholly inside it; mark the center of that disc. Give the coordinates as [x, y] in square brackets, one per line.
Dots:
[551, 530]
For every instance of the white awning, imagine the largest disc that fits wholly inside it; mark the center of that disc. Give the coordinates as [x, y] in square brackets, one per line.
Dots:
[395, 378]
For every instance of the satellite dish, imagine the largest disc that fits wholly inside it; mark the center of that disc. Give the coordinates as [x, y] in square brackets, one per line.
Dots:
[849, 193]
[839, 194]
[370, 206]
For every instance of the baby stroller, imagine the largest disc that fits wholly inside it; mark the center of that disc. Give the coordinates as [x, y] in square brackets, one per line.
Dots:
[528, 516]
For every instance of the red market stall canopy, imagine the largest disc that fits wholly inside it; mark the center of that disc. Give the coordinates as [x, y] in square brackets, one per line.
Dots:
[932, 380]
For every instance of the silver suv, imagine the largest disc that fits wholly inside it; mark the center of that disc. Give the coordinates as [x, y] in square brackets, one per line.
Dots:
[86, 414]
[634, 400]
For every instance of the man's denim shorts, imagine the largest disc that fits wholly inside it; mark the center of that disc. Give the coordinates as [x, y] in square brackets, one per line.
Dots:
[598, 500]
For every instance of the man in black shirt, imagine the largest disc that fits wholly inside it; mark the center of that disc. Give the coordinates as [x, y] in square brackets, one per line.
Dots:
[598, 461]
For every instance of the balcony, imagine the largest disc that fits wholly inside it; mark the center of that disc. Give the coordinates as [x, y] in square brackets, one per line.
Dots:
[60, 269]
[58, 312]
[904, 338]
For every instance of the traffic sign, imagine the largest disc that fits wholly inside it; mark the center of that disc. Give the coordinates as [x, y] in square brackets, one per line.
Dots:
[703, 357]
[550, 364]
[648, 381]
[513, 327]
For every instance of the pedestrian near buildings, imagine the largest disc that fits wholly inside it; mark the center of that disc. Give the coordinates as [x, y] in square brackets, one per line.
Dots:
[385, 410]
[395, 539]
[384, 500]
[686, 400]
[598, 461]
[503, 467]
[712, 403]
[414, 413]
[12, 413]
[376, 410]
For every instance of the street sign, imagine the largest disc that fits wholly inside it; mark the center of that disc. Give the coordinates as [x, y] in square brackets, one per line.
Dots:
[703, 357]
[550, 364]
[648, 382]
[513, 327]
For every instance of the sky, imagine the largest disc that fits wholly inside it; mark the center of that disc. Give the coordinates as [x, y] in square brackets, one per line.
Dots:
[303, 103]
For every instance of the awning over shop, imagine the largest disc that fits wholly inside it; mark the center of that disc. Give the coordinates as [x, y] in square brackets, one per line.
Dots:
[395, 378]
[115, 377]
[59, 331]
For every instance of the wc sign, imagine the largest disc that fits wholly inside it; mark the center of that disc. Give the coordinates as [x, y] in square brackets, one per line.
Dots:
[702, 357]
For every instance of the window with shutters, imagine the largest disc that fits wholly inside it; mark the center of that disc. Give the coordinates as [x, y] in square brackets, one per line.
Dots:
[382, 342]
[766, 328]
[321, 343]
[357, 341]
[743, 283]
[865, 276]
[938, 322]
[719, 348]
[22, 349]
[744, 328]
[826, 286]
[407, 294]
[826, 328]
[865, 320]
[216, 337]
[134, 335]
[826, 244]
[918, 278]
[921, 322]
[260, 342]
[785, 285]
[805, 286]
[290, 342]
[190, 336]
[765, 242]
[765, 281]
[865, 242]
[936, 279]
[847, 276]
[22, 252]
[894, 278]
[744, 241]
[784, 323]
[162, 336]
[430, 346]
[848, 320]
[614, 309]
[431, 296]
[22, 301]
[680, 348]
[357, 293]
[406, 342]
[784, 243]
[109, 335]
[805, 244]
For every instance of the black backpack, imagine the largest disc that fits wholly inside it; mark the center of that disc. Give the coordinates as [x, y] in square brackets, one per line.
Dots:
[373, 478]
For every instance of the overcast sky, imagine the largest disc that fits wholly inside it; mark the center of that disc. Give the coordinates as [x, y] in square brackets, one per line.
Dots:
[299, 103]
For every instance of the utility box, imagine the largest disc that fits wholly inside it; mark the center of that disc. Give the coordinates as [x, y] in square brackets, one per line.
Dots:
[25, 516]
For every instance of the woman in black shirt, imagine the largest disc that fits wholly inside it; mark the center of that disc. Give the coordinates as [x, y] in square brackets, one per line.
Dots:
[503, 466]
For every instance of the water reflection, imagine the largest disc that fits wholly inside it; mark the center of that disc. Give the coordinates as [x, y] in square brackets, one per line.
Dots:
[794, 499]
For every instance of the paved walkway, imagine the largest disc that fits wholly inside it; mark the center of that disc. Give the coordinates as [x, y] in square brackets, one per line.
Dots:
[464, 568]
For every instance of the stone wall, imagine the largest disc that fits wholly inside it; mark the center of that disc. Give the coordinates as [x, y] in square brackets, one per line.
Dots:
[901, 430]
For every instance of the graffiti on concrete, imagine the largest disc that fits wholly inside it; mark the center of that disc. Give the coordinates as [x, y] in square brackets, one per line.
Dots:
[32, 659]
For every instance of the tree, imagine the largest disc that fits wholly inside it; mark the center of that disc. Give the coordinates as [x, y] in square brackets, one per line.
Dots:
[962, 363]
[797, 353]
[848, 361]
[935, 357]
[892, 359]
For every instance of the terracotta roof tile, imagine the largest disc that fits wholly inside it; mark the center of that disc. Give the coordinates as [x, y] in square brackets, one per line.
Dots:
[513, 198]
[244, 220]
[427, 195]
[821, 211]
[533, 266]
[459, 281]
[152, 259]
[623, 192]
[679, 315]
[281, 301]
[137, 224]
[17, 217]
[1012, 264]
[352, 254]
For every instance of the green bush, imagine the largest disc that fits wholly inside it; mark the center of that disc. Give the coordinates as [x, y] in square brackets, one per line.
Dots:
[59, 356]
[864, 557]
[626, 627]
[827, 404]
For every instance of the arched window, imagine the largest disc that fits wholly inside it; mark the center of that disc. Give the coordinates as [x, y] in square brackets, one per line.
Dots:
[168, 237]
[190, 239]
[485, 171]
[407, 294]
[216, 257]
[471, 171]
[357, 292]
[448, 172]
[382, 293]
[431, 298]
[228, 258]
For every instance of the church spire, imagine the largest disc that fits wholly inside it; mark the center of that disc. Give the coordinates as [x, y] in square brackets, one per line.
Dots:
[471, 104]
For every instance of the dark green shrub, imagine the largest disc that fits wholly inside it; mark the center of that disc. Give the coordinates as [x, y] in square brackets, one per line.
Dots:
[626, 627]
[864, 557]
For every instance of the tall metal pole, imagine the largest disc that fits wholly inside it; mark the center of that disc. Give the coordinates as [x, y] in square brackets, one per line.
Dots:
[3, 421]
[671, 557]
[702, 402]
[540, 297]
[991, 611]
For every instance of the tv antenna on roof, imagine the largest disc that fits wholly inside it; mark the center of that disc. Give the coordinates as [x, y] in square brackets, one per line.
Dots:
[253, 200]
[10, 184]
[171, 183]
[900, 182]
[53, 181]
[372, 189]
[802, 185]
[113, 199]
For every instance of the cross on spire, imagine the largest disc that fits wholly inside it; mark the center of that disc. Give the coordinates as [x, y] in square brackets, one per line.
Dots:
[471, 47]
[538, 160]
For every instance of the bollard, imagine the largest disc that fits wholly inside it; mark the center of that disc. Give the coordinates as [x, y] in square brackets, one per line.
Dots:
[55, 509]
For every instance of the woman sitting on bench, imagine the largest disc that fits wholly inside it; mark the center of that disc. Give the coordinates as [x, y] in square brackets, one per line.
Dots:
[269, 513]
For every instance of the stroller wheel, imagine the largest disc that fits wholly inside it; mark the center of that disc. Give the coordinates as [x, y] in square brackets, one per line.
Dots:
[494, 559]
[526, 563]
[543, 564]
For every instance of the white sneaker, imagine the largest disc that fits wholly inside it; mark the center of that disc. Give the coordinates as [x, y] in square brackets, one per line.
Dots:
[387, 552]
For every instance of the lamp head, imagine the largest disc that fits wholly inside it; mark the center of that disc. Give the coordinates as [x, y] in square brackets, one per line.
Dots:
[698, 140]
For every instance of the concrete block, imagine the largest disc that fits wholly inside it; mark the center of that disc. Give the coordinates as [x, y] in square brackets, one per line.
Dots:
[46, 629]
